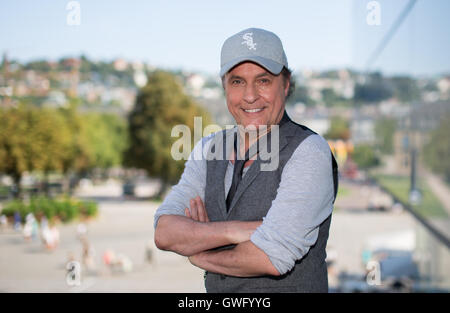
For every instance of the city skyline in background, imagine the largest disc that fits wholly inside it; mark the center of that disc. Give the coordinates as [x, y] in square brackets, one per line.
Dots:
[316, 35]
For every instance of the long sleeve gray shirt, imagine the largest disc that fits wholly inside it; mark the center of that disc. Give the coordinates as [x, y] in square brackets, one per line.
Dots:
[304, 199]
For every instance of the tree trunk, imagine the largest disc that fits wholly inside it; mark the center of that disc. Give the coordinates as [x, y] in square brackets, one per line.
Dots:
[17, 189]
[66, 184]
[46, 185]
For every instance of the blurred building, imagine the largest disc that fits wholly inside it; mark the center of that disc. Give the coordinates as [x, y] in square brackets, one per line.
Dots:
[444, 87]
[120, 64]
[316, 118]
[433, 257]
[413, 131]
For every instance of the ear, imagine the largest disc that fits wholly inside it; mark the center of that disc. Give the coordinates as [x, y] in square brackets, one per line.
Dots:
[287, 83]
[223, 81]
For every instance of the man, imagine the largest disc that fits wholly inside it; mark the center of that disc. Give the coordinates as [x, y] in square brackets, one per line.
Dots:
[250, 229]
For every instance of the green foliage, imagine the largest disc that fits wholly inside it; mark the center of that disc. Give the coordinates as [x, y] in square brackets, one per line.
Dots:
[79, 153]
[339, 129]
[59, 140]
[331, 99]
[371, 93]
[329, 96]
[106, 72]
[385, 129]
[160, 105]
[15, 206]
[97, 139]
[365, 156]
[40, 66]
[399, 186]
[87, 208]
[437, 151]
[378, 88]
[430, 86]
[300, 94]
[375, 89]
[32, 139]
[4, 191]
[405, 89]
[65, 209]
[106, 137]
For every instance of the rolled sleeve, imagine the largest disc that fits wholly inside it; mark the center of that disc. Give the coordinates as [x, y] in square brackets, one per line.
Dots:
[191, 184]
[304, 200]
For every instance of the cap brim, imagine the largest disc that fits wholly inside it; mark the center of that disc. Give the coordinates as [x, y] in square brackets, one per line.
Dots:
[272, 66]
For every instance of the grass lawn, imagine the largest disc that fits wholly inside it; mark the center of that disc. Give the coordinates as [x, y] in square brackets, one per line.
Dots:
[343, 192]
[399, 186]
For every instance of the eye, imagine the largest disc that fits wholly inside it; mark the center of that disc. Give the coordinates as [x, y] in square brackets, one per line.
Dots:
[264, 81]
[236, 82]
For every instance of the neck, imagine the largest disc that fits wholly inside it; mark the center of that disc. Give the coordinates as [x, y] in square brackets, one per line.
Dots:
[250, 135]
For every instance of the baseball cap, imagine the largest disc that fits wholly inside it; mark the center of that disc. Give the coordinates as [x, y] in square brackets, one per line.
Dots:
[256, 45]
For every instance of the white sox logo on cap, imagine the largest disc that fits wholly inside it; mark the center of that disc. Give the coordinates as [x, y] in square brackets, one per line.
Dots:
[249, 41]
[255, 45]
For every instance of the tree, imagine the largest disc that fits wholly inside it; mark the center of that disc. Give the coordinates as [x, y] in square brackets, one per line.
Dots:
[331, 99]
[385, 129]
[437, 151]
[40, 66]
[160, 105]
[364, 155]
[32, 139]
[339, 129]
[300, 94]
[405, 89]
[376, 89]
[78, 158]
[97, 140]
[106, 137]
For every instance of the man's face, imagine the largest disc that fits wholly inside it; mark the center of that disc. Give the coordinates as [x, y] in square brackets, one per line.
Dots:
[254, 95]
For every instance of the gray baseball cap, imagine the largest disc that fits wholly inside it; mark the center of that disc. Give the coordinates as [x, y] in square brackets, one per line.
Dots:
[256, 45]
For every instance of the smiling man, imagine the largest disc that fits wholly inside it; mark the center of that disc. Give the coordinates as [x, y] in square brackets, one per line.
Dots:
[251, 229]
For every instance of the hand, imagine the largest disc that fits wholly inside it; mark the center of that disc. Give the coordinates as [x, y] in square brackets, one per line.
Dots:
[199, 258]
[194, 259]
[197, 211]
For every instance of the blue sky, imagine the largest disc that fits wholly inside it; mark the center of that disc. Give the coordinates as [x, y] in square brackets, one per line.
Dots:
[320, 34]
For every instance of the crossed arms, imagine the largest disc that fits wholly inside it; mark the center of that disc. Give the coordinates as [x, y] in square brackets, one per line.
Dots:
[193, 235]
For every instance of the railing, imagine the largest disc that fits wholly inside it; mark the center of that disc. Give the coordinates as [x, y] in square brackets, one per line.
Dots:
[432, 229]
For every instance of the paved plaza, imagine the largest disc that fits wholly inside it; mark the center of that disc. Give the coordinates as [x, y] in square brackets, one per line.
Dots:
[126, 227]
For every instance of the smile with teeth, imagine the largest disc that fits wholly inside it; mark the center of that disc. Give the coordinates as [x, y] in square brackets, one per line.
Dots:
[253, 110]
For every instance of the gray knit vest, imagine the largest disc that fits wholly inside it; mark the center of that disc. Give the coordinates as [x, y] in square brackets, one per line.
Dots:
[251, 202]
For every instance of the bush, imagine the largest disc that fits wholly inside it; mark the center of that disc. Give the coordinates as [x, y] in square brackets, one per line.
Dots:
[65, 209]
[15, 206]
[365, 156]
[89, 208]
[42, 206]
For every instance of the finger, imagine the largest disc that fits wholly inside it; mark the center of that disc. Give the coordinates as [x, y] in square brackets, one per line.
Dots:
[202, 209]
[194, 210]
[187, 213]
[201, 217]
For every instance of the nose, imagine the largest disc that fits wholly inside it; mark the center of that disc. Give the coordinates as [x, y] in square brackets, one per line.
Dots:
[251, 93]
